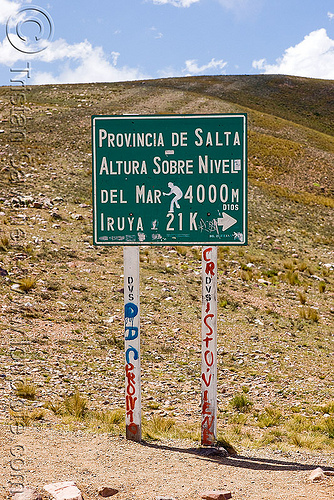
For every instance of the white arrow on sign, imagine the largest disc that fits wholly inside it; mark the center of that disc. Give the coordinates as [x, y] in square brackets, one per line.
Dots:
[226, 221]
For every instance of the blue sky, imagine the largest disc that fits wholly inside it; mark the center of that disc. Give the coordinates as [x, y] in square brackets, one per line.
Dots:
[117, 40]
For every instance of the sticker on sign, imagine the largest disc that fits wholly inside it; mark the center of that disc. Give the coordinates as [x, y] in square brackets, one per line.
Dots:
[173, 179]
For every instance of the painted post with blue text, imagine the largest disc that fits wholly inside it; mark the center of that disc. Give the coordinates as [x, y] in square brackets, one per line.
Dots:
[132, 343]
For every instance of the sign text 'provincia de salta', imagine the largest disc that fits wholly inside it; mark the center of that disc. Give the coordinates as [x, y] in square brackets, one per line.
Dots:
[170, 179]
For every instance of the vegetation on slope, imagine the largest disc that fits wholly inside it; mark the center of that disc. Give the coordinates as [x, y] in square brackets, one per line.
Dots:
[64, 297]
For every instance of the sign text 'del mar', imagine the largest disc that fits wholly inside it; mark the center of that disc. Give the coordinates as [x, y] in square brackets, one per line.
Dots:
[170, 179]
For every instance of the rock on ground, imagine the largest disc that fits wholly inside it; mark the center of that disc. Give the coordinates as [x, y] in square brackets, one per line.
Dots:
[66, 490]
[216, 495]
[107, 492]
[317, 475]
[27, 494]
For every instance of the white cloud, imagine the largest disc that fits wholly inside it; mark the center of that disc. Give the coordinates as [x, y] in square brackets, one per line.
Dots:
[169, 72]
[156, 33]
[234, 4]
[176, 3]
[192, 67]
[79, 63]
[7, 9]
[313, 57]
[237, 6]
[83, 63]
[330, 15]
[242, 8]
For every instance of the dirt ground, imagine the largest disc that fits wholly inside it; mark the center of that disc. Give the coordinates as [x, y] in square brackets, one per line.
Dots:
[169, 469]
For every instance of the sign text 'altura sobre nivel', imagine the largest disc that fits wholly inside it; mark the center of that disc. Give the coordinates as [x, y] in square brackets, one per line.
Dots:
[170, 179]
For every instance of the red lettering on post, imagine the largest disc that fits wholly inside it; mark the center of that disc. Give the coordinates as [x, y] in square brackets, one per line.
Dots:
[208, 423]
[130, 402]
[210, 268]
[207, 340]
[131, 377]
[207, 437]
[129, 367]
[206, 404]
[206, 382]
[209, 363]
[129, 414]
[207, 250]
[133, 428]
[205, 322]
[130, 406]
[131, 382]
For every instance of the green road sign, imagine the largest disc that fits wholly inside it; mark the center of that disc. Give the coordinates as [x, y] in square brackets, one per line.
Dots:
[172, 179]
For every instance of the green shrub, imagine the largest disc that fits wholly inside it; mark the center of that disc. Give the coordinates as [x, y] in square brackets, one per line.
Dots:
[269, 418]
[240, 402]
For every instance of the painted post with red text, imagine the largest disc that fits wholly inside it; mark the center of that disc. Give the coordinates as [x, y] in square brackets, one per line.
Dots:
[209, 346]
[132, 343]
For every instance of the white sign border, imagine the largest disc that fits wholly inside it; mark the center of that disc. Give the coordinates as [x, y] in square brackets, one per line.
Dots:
[95, 118]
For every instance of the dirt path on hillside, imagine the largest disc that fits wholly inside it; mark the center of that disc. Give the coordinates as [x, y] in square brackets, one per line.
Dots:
[170, 469]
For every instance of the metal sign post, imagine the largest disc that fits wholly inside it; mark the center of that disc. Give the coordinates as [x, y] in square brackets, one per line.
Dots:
[209, 346]
[132, 343]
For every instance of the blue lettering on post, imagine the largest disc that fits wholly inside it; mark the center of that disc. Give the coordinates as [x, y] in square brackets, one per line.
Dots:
[131, 332]
[127, 354]
[131, 310]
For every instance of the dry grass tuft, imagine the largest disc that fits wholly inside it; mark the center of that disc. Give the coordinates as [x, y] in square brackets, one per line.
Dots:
[4, 243]
[76, 405]
[310, 314]
[26, 390]
[27, 284]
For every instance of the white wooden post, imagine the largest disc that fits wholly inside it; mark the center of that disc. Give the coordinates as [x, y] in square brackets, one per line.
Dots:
[209, 346]
[132, 343]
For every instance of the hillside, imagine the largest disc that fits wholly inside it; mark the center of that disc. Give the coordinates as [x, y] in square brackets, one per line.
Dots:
[63, 297]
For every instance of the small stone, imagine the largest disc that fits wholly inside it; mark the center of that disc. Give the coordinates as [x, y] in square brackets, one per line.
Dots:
[66, 490]
[216, 495]
[317, 475]
[3, 272]
[107, 492]
[56, 216]
[164, 498]
[263, 282]
[27, 494]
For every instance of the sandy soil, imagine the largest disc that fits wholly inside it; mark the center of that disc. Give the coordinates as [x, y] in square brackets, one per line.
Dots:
[173, 469]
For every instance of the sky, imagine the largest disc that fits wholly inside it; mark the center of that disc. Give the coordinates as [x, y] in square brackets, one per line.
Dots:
[75, 41]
